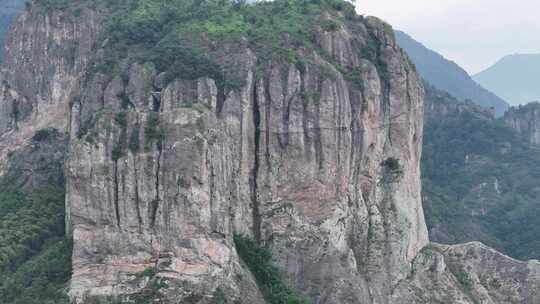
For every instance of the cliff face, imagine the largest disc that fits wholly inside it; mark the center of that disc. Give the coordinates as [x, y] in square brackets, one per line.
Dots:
[45, 60]
[525, 120]
[291, 158]
[319, 161]
[8, 12]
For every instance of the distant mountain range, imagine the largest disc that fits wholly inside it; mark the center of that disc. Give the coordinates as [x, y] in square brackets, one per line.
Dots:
[447, 75]
[514, 78]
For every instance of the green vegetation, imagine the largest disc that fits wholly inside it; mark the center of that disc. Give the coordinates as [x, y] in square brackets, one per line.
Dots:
[465, 281]
[44, 135]
[122, 119]
[391, 164]
[134, 142]
[219, 297]
[42, 278]
[269, 279]
[480, 180]
[189, 39]
[152, 130]
[330, 26]
[33, 219]
[35, 258]
[392, 169]
[117, 152]
[151, 292]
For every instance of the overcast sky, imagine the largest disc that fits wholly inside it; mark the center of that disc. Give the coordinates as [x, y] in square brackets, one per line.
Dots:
[473, 33]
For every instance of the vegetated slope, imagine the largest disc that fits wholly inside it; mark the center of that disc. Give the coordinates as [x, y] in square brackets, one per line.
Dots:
[220, 152]
[514, 78]
[35, 256]
[447, 75]
[480, 178]
[8, 12]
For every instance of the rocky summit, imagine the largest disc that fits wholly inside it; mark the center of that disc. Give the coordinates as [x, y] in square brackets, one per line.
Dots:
[525, 120]
[207, 140]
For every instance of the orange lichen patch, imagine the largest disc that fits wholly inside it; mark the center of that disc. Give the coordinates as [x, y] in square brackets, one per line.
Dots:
[217, 252]
[109, 272]
[201, 258]
[185, 268]
[116, 267]
[314, 201]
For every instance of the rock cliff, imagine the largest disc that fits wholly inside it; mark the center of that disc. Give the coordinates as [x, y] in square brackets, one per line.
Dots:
[293, 158]
[316, 157]
[46, 54]
[9, 9]
[525, 120]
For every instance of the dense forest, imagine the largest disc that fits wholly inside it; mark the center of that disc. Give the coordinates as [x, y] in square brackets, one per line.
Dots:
[480, 178]
[35, 256]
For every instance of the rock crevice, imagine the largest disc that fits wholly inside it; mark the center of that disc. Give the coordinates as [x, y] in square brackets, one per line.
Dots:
[319, 162]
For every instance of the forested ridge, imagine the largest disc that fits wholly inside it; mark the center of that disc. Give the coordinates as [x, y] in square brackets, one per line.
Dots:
[480, 178]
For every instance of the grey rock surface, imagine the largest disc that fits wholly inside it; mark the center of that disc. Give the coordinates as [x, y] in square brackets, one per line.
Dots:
[161, 174]
[525, 120]
[45, 62]
[293, 159]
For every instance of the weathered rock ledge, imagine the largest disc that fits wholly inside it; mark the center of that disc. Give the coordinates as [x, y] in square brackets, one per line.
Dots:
[322, 169]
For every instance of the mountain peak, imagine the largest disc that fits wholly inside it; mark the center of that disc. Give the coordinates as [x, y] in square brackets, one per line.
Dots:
[514, 78]
[447, 75]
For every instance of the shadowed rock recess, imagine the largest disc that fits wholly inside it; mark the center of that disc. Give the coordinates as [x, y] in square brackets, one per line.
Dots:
[294, 123]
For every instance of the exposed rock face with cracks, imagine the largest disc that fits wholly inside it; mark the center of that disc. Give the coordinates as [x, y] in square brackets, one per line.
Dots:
[323, 169]
[525, 120]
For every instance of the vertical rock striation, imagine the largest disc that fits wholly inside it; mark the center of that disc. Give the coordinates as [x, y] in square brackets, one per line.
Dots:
[45, 60]
[319, 161]
[296, 158]
[525, 120]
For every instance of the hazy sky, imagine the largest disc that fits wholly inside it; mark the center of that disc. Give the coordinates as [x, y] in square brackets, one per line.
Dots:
[473, 33]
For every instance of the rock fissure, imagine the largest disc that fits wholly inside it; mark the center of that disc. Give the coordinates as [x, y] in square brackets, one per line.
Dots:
[268, 103]
[284, 138]
[136, 192]
[253, 180]
[305, 101]
[116, 194]
[212, 202]
[284, 164]
[319, 155]
[221, 93]
[157, 200]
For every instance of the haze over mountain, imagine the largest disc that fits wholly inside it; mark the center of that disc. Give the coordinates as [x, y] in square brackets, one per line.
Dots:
[475, 34]
[447, 75]
[219, 152]
[514, 78]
